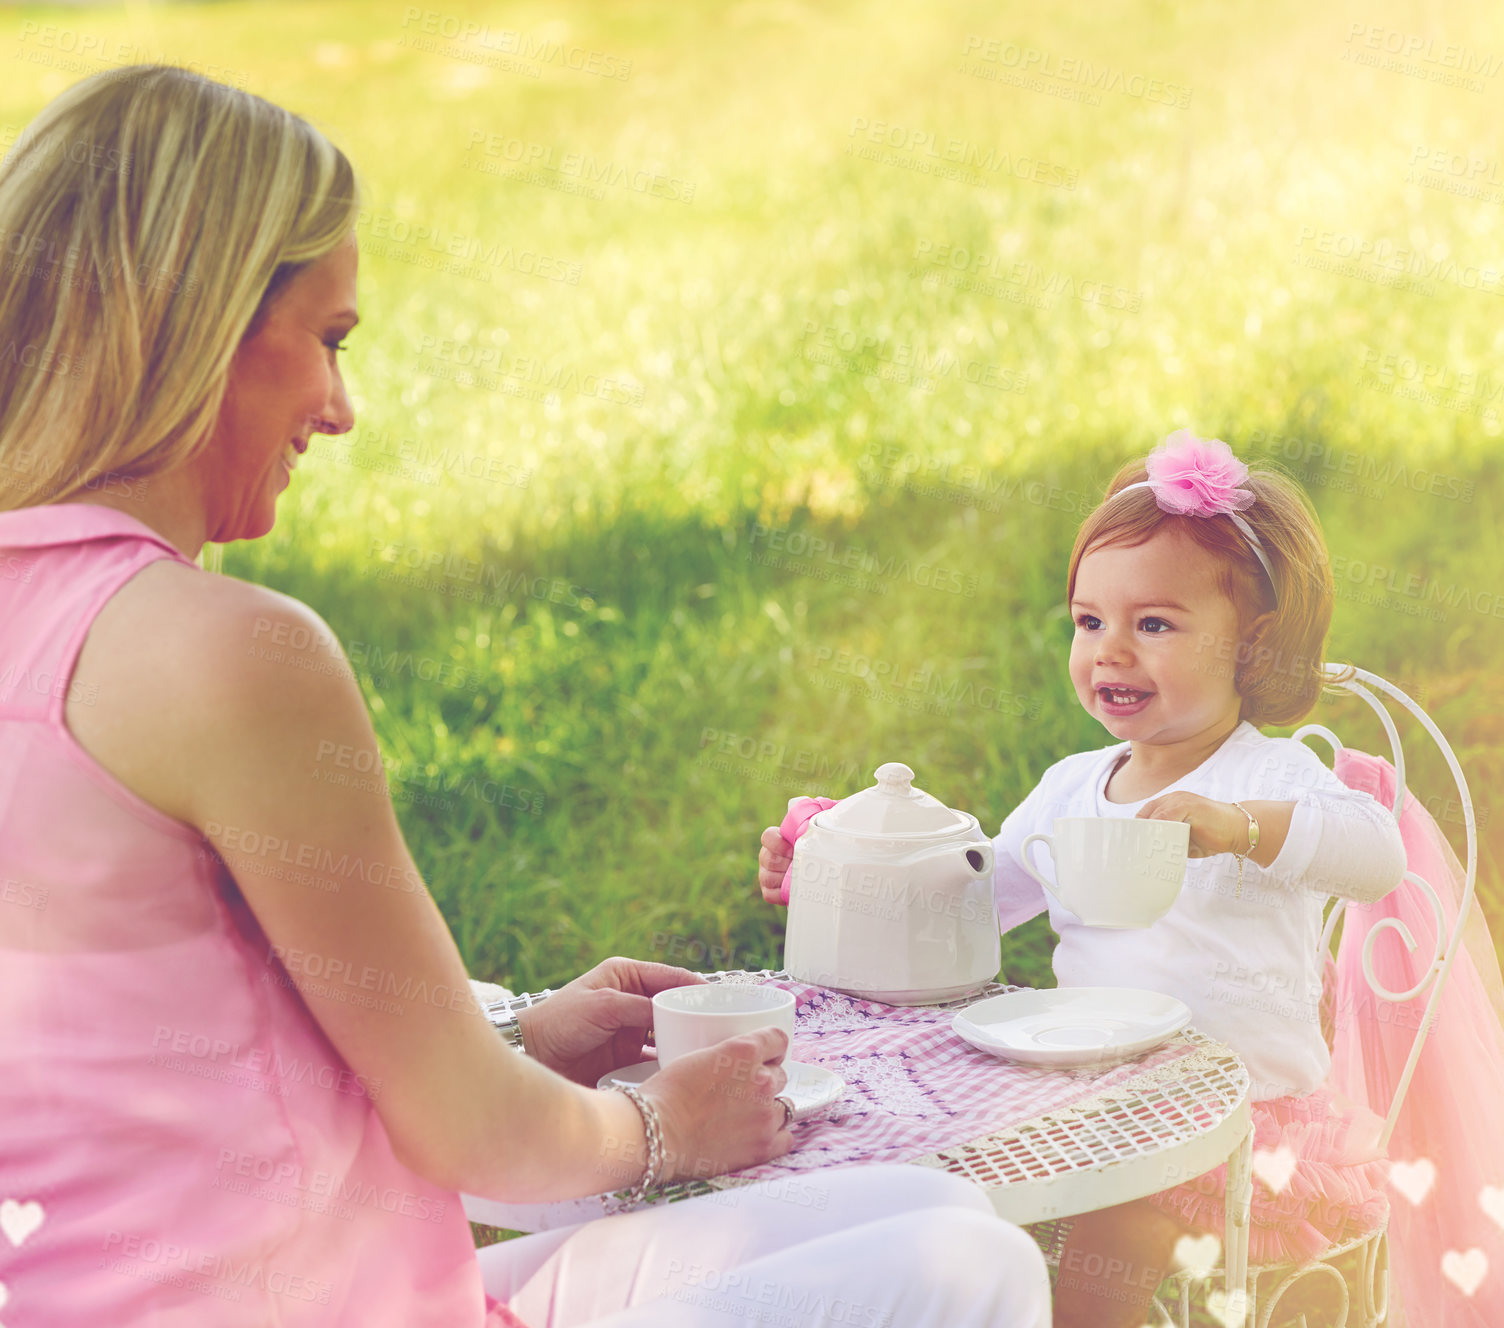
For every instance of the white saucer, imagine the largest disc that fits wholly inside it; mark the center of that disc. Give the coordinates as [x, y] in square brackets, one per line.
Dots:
[1071, 1026]
[810, 1087]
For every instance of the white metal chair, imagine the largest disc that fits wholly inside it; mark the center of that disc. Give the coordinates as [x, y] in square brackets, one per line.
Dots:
[1366, 1255]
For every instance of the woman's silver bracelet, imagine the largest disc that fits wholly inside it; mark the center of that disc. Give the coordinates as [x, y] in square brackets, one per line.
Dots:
[654, 1130]
[511, 1032]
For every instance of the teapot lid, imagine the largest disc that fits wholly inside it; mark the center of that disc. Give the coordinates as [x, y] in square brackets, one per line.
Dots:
[893, 806]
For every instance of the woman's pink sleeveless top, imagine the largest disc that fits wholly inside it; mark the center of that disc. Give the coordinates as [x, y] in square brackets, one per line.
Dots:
[180, 1144]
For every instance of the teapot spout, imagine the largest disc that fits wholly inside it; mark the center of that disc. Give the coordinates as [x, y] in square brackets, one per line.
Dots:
[969, 860]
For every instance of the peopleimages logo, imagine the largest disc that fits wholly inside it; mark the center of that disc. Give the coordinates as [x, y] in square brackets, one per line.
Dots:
[868, 892]
[318, 1184]
[764, 751]
[917, 148]
[544, 160]
[181, 1042]
[221, 1274]
[1385, 472]
[537, 50]
[1442, 56]
[1033, 62]
[798, 547]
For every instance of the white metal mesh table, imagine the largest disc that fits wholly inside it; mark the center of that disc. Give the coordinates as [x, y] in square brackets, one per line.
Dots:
[1156, 1131]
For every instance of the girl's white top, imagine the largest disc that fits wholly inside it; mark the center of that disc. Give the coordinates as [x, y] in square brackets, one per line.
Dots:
[1248, 968]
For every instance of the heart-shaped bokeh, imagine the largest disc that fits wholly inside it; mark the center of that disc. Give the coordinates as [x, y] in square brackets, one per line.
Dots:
[18, 1220]
[1413, 1179]
[1465, 1271]
[1198, 1254]
[1274, 1166]
[1491, 1201]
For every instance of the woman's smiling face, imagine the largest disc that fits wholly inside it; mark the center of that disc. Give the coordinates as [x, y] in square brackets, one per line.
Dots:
[1154, 641]
[284, 385]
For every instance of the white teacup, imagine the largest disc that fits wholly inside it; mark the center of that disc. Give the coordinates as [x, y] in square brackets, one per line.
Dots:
[687, 1019]
[1113, 871]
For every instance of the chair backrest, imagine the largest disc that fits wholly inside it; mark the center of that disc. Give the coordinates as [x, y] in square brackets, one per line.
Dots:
[1364, 685]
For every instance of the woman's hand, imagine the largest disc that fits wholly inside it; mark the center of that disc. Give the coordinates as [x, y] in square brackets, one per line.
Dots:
[773, 860]
[718, 1108]
[599, 1021]
[1216, 827]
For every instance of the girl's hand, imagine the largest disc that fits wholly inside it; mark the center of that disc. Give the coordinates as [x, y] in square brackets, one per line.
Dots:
[1216, 827]
[773, 860]
[599, 1021]
[717, 1106]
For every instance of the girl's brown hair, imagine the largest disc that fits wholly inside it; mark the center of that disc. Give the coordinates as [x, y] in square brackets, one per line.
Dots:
[1277, 672]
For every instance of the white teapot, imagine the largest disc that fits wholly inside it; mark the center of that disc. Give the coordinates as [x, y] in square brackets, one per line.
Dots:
[891, 897]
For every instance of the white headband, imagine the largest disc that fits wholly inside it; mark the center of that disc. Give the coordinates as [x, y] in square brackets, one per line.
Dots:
[1253, 540]
[1194, 476]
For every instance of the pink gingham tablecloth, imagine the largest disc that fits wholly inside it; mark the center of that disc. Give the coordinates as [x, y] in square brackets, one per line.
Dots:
[913, 1087]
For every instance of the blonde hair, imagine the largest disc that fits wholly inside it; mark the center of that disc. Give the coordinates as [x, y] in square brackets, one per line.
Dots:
[1279, 676]
[148, 217]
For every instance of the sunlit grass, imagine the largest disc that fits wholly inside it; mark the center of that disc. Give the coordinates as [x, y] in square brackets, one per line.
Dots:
[685, 387]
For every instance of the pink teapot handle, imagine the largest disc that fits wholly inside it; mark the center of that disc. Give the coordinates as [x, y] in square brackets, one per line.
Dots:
[801, 812]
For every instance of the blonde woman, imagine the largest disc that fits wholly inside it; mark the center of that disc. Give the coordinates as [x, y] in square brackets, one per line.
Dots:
[194, 1129]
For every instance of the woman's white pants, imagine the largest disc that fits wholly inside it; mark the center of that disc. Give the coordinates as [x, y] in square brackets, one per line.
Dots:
[860, 1247]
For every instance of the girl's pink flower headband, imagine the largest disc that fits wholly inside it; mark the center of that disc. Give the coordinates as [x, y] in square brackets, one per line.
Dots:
[1194, 476]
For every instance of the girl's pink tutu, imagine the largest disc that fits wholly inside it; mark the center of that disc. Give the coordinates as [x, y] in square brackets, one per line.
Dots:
[1328, 1146]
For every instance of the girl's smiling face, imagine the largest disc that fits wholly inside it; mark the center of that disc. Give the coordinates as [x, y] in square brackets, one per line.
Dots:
[1156, 636]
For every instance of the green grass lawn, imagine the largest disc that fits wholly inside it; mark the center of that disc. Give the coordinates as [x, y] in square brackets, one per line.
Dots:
[732, 379]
